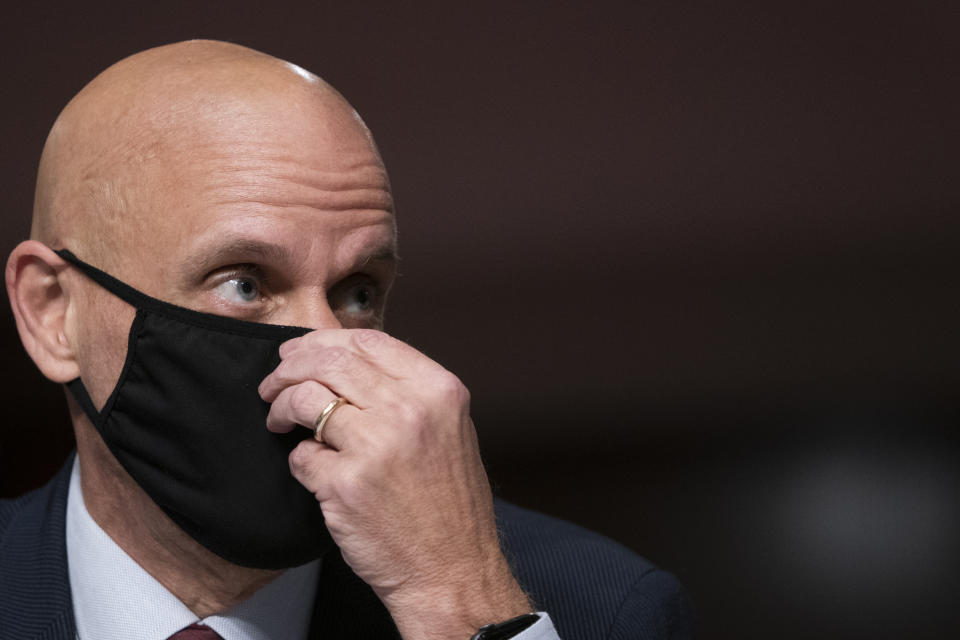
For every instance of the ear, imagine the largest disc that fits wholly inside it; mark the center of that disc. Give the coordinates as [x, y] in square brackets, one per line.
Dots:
[39, 299]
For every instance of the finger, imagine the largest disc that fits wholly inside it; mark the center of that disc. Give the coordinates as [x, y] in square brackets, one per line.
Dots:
[298, 404]
[304, 404]
[314, 465]
[396, 358]
[340, 370]
[344, 428]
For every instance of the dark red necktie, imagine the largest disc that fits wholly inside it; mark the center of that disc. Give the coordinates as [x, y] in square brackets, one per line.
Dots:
[196, 632]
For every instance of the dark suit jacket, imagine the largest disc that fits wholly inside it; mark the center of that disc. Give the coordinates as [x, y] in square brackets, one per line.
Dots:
[592, 587]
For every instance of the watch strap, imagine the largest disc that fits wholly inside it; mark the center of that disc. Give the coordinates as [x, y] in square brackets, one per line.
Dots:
[506, 629]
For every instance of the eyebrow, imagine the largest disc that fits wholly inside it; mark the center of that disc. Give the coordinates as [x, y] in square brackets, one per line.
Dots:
[238, 249]
[247, 250]
[385, 253]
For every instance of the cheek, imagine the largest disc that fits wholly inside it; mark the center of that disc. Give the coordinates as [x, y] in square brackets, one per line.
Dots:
[103, 326]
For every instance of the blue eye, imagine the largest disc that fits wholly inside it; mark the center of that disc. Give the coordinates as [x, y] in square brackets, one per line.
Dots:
[362, 298]
[240, 289]
[246, 288]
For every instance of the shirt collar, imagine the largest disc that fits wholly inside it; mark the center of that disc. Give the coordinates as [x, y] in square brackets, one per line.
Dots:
[114, 598]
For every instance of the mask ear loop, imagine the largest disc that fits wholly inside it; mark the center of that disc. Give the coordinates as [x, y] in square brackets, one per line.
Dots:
[120, 289]
[129, 295]
[80, 393]
[83, 399]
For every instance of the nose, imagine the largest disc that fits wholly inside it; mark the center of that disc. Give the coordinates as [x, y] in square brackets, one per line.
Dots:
[310, 310]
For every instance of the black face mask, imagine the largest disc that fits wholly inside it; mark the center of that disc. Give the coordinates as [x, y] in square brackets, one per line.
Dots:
[186, 422]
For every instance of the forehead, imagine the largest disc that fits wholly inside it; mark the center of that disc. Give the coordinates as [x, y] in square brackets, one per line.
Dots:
[299, 175]
[315, 246]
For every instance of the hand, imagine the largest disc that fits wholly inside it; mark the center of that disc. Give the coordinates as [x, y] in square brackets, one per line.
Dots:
[398, 476]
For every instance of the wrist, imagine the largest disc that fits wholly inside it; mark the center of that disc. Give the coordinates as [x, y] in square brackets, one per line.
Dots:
[457, 608]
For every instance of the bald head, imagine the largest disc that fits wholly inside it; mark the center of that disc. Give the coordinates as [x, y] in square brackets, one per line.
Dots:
[216, 179]
[127, 153]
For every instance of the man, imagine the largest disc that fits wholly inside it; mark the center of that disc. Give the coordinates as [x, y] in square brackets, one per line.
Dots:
[212, 247]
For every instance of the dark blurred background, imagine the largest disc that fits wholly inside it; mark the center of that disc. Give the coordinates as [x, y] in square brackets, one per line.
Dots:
[696, 262]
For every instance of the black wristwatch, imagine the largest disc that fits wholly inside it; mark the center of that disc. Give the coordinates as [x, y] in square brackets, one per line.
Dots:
[506, 629]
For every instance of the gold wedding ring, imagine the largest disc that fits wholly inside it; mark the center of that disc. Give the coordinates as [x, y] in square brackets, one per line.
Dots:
[321, 420]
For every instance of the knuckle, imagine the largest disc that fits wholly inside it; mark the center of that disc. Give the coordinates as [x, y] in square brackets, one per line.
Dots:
[351, 483]
[301, 397]
[451, 389]
[463, 396]
[335, 358]
[369, 340]
[277, 377]
[413, 414]
[287, 373]
[298, 460]
[272, 419]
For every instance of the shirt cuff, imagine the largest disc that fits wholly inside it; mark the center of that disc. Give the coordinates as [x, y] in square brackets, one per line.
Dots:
[542, 629]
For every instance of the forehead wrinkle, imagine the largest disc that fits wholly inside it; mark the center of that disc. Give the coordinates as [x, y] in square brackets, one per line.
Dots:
[251, 160]
[322, 190]
[372, 200]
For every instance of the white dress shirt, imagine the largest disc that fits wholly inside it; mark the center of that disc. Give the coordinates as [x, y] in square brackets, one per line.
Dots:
[114, 598]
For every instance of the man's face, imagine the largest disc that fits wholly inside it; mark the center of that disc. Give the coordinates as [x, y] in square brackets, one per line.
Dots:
[279, 212]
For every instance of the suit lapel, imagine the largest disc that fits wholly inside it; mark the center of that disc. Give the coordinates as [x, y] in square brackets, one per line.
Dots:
[35, 601]
[346, 608]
